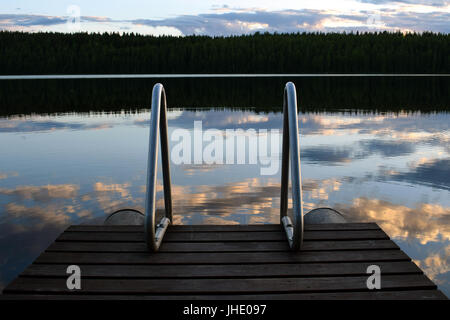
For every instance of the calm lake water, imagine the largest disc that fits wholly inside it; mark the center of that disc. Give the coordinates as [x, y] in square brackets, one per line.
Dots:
[390, 167]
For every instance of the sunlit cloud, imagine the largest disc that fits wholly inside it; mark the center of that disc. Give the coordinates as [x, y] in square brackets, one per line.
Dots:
[41, 23]
[436, 264]
[86, 197]
[227, 9]
[5, 175]
[322, 189]
[391, 134]
[227, 20]
[122, 189]
[218, 220]
[426, 222]
[84, 214]
[228, 203]
[193, 169]
[37, 217]
[387, 148]
[252, 200]
[112, 197]
[43, 193]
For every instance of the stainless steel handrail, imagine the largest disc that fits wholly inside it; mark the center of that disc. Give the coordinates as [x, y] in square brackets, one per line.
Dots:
[158, 126]
[290, 158]
[293, 229]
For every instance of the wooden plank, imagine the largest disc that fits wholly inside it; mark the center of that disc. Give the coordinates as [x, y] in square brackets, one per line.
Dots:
[220, 258]
[225, 228]
[266, 236]
[275, 227]
[364, 295]
[225, 262]
[193, 286]
[222, 271]
[222, 236]
[221, 246]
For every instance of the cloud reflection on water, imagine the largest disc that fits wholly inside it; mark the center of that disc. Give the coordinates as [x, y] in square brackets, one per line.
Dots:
[425, 223]
[27, 125]
[436, 265]
[435, 173]
[42, 193]
[348, 160]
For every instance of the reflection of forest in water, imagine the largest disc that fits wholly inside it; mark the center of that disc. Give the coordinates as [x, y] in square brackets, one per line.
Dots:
[378, 94]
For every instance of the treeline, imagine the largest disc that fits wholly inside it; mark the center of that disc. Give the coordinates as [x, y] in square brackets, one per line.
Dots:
[425, 94]
[82, 53]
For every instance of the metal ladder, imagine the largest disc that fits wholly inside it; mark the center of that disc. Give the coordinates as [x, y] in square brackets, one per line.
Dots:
[293, 227]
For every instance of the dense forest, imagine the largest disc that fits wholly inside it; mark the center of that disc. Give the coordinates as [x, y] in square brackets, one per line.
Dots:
[81, 53]
[379, 94]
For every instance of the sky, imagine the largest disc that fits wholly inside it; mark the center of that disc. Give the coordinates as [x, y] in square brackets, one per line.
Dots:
[224, 18]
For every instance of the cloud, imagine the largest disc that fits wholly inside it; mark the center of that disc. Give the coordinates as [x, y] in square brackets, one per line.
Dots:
[395, 134]
[417, 21]
[232, 22]
[122, 189]
[218, 220]
[251, 200]
[413, 127]
[223, 119]
[319, 190]
[436, 265]
[434, 3]
[435, 173]
[43, 193]
[31, 126]
[426, 222]
[195, 169]
[391, 135]
[387, 148]
[28, 125]
[328, 155]
[226, 21]
[231, 201]
[111, 197]
[38, 217]
[228, 203]
[429, 224]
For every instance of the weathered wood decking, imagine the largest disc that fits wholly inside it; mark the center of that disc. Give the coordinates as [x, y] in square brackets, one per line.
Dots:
[224, 262]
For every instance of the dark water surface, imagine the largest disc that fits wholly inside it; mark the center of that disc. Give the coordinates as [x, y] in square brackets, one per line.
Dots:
[73, 151]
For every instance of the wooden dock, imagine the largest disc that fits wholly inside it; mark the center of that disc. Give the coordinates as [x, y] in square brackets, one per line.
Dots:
[236, 262]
